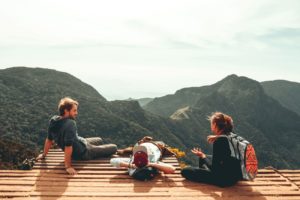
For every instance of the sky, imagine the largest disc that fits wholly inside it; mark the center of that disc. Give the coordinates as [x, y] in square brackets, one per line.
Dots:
[138, 48]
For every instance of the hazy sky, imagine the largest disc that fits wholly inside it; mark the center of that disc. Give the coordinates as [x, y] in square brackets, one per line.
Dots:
[151, 48]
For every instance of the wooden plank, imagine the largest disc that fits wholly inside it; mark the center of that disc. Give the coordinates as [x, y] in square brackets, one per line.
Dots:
[291, 175]
[131, 182]
[17, 171]
[101, 194]
[61, 153]
[239, 184]
[103, 184]
[88, 164]
[97, 171]
[257, 178]
[56, 159]
[159, 198]
[15, 188]
[14, 194]
[99, 168]
[294, 178]
[80, 168]
[143, 193]
[292, 171]
[235, 189]
[124, 182]
[17, 182]
[262, 179]
[154, 188]
[51, 160]
[267, 175]
[97, 178]
[101, 189]
[63, 173]
[265, 171]
[55, 150]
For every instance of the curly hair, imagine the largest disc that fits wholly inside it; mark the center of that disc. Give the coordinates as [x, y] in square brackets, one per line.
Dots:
[66, 103]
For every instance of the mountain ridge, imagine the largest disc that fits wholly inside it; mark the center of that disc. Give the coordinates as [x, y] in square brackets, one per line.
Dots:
[29, 98]
[256, 115]
[285, 92]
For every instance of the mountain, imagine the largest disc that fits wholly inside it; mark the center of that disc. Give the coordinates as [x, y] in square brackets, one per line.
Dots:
[257, 116]
[29, 97]
[167, 105]
[142, 101]
[286, 92]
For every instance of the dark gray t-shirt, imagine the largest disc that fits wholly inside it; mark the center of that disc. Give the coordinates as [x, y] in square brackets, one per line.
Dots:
[64, 132]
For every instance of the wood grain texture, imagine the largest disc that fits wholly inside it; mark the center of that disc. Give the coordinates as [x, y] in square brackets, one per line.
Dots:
[98, 179]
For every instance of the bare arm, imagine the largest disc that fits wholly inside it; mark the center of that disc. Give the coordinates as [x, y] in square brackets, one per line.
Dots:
[47, 146]
[68, 158]
[166, 168]
[127, 165]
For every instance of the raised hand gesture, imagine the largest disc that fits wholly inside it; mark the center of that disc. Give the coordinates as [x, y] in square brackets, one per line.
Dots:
[198, 152]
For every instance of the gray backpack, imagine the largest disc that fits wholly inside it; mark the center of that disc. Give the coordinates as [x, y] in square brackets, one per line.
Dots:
[243, 151]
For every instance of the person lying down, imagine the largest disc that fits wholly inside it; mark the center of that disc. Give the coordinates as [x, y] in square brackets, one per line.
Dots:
[144, 162]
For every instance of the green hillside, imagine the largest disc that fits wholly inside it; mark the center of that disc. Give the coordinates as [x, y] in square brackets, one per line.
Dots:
[286, 92]
[257, 117]
[29, 97]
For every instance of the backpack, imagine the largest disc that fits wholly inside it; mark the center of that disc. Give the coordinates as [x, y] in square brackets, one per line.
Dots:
[243, 151]
[144, 173]
[27, 164]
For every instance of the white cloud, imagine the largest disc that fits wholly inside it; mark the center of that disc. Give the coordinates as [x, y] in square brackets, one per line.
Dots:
[162, 45]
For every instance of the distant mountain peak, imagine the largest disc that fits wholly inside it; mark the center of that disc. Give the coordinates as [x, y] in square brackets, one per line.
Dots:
[24, 78]
[231, 76]
[234, 84]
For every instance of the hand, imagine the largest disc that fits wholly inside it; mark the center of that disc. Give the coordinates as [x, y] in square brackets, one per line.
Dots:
[40, 157]
[211, 138]
[198, 152]
[132, 166]
[71, 170]
[145, 139]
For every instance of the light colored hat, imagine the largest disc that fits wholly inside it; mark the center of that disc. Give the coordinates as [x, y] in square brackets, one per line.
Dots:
[141, 148]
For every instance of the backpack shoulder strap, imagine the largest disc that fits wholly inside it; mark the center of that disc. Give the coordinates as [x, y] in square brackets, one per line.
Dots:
[232, 144]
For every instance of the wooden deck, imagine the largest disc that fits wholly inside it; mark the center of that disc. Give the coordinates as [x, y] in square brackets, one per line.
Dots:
[97, 179]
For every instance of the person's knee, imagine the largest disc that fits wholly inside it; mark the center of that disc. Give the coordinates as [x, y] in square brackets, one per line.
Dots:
[94, 140]
[112, 148]
[99, 140]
